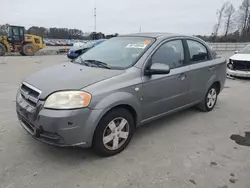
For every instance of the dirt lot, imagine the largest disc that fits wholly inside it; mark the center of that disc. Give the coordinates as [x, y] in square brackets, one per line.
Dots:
[188, 149]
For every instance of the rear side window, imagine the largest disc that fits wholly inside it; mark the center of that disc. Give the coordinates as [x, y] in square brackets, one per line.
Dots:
[198, 52]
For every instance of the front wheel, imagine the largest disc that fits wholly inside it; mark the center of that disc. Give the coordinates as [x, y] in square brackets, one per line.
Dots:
[210, 99]
[113, 132]
[3, 49]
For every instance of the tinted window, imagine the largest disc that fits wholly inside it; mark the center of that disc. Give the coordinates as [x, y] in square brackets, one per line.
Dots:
[15, 31]
[21, 32]
[198, 51]
[170, 53]
[16, 35]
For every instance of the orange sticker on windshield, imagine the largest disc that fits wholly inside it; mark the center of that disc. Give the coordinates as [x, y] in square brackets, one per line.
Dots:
[147, 42]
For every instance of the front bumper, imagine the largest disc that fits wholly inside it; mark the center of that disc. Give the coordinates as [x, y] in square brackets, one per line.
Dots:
[58, 127]
[238, 73]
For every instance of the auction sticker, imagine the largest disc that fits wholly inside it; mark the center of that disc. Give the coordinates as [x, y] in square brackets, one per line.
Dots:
[142, 46]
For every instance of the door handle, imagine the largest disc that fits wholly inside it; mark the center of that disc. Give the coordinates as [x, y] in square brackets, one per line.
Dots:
[183, 76]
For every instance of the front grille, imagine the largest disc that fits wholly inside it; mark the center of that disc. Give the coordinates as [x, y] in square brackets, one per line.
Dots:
[30, 94]
[28, 125]
[241, 65]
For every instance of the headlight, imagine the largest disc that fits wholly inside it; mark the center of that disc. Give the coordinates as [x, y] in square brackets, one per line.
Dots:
[68, 100]
[230, 66]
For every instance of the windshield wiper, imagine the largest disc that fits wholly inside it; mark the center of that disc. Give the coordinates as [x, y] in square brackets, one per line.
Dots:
[82, 61]
[98, 63]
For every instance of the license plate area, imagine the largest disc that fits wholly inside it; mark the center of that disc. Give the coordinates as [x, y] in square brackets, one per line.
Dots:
[25, 109]
[26, 116]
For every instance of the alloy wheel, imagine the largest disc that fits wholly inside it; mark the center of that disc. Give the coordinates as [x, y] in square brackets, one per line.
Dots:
[116, 133]
[211, 98]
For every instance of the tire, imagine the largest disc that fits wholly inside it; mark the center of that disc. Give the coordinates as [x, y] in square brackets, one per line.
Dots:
[29, 50]
[21, 53]
[3, 49]
[108, 139]
[210, 99]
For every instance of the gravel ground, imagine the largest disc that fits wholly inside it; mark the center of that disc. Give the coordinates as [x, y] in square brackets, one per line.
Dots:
[184, 150]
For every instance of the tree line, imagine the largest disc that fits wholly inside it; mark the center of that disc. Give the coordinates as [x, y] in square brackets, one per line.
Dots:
[59, 33]
[233, 25]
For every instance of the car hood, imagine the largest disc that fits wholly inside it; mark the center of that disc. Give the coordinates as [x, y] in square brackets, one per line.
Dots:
[68, 76]
[241, 57]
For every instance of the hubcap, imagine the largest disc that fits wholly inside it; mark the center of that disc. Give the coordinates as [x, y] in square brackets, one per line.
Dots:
[116, 133]
[211, 98]
[30, 50]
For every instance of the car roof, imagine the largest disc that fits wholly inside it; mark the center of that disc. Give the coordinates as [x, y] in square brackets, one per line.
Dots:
[152, 35]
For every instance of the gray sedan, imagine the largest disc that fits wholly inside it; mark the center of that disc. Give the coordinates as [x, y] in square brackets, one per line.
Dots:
[100, 98]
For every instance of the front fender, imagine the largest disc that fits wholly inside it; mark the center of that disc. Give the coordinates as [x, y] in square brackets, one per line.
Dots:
[116, 99]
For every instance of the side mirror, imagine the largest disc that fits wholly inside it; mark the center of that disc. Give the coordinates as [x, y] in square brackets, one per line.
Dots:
[157, 68]
[236, 52]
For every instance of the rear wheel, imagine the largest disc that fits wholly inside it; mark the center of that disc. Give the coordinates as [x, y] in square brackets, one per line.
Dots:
[113, 132]
[3, 49]
[29, 50]
[210, 99]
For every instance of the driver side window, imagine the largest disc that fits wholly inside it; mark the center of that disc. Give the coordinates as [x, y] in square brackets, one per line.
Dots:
[171, 53]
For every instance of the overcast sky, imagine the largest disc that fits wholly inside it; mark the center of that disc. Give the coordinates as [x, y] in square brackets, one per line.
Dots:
[121, 16]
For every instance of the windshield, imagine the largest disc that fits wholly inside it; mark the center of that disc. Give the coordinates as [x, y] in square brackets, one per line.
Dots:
[245, 50]
[118, 52]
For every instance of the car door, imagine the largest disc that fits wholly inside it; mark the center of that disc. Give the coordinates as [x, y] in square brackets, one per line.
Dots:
[163, 93]
[201, 69]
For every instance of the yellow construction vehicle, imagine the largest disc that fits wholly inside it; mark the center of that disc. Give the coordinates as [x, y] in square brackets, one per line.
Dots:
[17, 41]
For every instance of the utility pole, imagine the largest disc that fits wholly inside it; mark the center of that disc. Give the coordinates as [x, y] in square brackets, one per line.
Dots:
[95, 15]
[140, 29]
